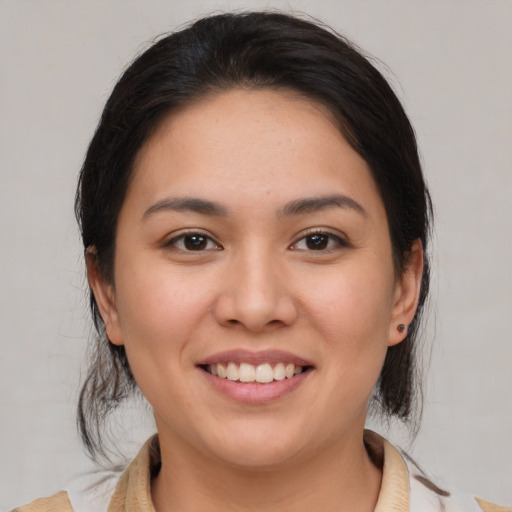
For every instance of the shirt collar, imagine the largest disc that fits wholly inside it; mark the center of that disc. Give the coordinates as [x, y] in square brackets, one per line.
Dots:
[133, 492]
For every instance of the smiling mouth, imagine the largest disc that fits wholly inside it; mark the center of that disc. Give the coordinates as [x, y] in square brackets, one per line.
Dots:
[262, 374]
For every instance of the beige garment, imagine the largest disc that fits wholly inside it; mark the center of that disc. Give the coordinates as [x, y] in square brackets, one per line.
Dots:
[57, 503]
[133, 490]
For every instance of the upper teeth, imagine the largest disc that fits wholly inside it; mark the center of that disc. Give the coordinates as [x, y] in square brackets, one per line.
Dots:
[262, 373]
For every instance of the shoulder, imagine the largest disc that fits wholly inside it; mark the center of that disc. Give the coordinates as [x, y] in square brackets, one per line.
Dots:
[406, 487]
[115, 489]
[426, 490]
[84, 493]
[59, 502]
[486, 506]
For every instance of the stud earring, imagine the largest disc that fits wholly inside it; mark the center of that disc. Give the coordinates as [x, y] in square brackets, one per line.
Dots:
[401, 327]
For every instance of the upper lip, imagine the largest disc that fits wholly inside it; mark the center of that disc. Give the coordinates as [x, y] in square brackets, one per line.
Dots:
[254, 357]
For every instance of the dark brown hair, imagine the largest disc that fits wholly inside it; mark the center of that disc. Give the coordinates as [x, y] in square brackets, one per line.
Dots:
[249, 50]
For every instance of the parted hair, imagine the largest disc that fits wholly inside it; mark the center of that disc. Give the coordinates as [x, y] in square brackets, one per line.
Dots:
[254, 50]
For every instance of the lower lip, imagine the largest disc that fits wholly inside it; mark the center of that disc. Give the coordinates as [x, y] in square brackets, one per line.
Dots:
[254, 392]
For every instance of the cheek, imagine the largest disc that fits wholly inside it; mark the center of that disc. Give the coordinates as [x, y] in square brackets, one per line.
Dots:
[160, 315]
[159, 308]
[351, 303]
[351, 311]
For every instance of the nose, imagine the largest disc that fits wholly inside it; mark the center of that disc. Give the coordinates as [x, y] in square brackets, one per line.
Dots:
[255, 294]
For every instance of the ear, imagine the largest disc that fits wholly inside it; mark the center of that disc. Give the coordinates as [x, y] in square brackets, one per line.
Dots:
[406, 295]
[105, 297]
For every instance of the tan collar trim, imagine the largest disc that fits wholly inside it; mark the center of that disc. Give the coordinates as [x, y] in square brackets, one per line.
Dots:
[394, 495]
[133, 492]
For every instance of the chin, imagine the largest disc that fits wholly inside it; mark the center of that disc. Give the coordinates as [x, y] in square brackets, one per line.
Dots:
[247, 442]
[258, 458]
[258, 449]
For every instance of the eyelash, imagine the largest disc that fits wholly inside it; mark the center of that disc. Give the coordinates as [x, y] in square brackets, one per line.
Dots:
[331, 238]
[181, 238]
[210, 244]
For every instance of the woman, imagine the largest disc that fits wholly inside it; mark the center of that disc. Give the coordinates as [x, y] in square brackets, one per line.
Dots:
[255, 225]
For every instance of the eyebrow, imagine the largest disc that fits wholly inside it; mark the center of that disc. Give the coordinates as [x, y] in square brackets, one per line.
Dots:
[313, 204]
[295, 207]
[180, 204]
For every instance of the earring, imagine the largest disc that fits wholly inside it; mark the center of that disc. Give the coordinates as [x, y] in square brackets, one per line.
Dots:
[401, 327]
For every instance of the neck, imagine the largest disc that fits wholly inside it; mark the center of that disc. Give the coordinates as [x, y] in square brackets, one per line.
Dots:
[331, 480]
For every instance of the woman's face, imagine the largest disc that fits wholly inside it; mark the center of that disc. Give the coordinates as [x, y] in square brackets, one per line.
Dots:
[253, 238]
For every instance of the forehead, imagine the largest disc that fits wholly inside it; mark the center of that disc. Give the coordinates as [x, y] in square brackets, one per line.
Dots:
[250, 142]
[219, 121]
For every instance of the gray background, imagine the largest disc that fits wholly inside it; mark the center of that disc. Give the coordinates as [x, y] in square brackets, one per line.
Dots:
[451, 64]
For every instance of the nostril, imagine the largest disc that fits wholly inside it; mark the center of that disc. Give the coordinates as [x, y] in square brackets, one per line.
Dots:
[255, 310]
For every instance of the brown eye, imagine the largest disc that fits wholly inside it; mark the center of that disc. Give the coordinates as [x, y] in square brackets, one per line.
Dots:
[317, 241]
[193, 242]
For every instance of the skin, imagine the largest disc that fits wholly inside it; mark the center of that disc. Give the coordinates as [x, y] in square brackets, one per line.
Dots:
[257, 285]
